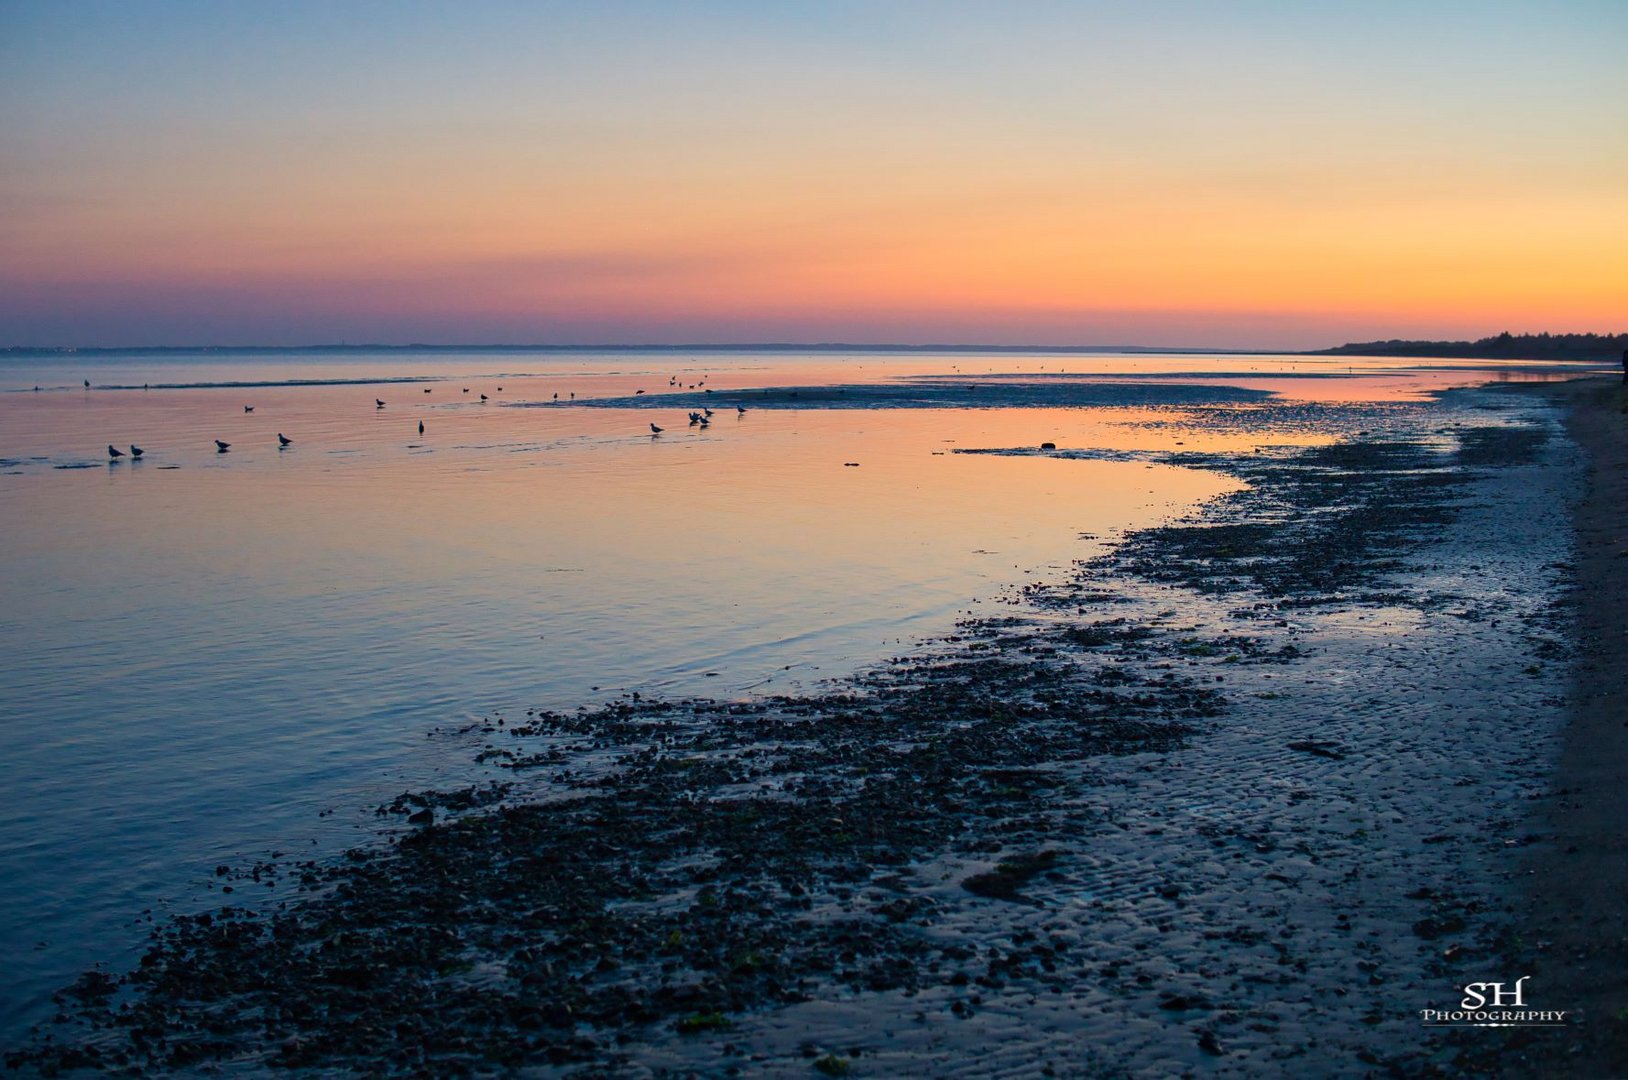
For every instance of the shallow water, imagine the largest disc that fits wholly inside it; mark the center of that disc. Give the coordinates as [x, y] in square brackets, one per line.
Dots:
[214, 655]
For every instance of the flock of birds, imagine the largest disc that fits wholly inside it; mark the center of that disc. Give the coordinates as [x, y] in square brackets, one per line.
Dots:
[222, 446]
[701, 420]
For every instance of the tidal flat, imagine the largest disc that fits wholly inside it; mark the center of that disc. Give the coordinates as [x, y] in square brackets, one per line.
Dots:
[1242, 793]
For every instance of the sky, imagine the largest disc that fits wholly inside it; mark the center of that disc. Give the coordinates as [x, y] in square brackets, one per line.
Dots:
[1233, 173]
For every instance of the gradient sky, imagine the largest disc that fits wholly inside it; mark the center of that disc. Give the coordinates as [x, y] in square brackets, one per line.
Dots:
[1246, 173]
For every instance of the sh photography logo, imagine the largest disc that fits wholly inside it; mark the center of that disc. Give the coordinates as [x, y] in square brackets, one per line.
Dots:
[1494, 1004]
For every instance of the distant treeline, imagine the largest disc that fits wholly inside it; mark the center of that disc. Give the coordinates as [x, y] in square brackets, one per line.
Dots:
[1505, 346]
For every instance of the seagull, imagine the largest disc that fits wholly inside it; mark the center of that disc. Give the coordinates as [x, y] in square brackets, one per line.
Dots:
[283, 440]
[113, 452]
[421, 427]
[248, 408]
[222, 447]
[377, 404]
[136, 451]
[654, 430]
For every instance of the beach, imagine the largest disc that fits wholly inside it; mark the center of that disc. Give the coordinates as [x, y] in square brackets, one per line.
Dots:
[1578, 878]
[1252, 791]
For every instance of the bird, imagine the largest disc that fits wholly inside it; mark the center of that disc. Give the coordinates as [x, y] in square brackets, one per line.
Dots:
[483, 397]
[136, 451]
[283, 440]
[421, 427]
[740, 410]
[222, 447]
[654, 430]
[500, 389]
[636, 393]
[426, 389]
[466, 389]
[707, 411]
[87, 384]
[113, 452]
[248, 408]
[377, 404]
[705, 423]
[695, 418]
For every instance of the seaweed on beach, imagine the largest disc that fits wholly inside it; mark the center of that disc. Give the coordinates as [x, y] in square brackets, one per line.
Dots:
[1311, 526]
[733, 857]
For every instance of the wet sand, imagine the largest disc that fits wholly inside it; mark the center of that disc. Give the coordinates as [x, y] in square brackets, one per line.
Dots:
[1576, 930]
[1240, 798]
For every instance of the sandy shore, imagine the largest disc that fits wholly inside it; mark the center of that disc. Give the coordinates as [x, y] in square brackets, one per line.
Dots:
[1576, 931]
[1245, 797]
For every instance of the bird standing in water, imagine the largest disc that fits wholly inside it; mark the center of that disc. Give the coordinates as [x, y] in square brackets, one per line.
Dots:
[222, 447]
[654, 430]
[136, 451]
[421, 427]
[282, 440]
[113, 452]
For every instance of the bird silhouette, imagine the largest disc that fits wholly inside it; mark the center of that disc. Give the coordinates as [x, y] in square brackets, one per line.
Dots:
[740, 410]
[483, 397]
[87, 384]
[283, 440]
[426, 389]
[654, 430]
[114, 452]
[421, 427]
[377, 404]
[466, 389]
[248, 408]
[136, 451]
[708, 412]
[222, 447]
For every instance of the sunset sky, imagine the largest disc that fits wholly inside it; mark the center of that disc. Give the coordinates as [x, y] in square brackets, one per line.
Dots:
[1241, 173]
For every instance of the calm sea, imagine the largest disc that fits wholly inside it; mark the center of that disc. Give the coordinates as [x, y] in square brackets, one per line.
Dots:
[213, 656]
